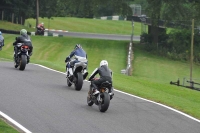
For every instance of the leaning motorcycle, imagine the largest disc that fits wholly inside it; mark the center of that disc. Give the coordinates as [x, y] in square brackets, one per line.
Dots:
[102, 99]
[22, 56]
[77, 77]
[40, 32]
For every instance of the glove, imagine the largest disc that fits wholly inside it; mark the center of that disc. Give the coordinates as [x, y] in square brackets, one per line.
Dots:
[66, 60]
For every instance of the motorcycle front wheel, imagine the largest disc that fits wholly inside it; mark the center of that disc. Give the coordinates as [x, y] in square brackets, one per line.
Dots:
[104, 102]
[68, 82]
[79, 82]
[89, 101]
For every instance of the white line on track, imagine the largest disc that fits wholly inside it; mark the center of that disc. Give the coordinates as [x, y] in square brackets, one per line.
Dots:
[139, 98]
[13, 122]
[27, 131]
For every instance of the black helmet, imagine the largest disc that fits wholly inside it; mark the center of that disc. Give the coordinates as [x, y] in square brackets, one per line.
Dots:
[77, 46]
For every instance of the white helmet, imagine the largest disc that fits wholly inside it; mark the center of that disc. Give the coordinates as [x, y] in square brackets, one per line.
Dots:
[103, 62]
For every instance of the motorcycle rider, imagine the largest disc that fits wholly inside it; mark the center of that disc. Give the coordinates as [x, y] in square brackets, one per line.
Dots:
[40, 26]
[105, 75]
[1, 40]
[23, 38]
[78, 52]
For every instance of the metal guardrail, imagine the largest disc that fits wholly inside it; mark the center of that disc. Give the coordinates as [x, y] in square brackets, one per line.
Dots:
[190, 87]
[12, 32]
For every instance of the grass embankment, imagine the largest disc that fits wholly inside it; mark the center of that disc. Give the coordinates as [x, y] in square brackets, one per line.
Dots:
[151, 74]
[89, 25]
[16, 27]
[5, 128]
[78, 25]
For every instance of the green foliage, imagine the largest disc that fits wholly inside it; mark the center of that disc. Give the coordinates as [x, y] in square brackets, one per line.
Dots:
[176, 45]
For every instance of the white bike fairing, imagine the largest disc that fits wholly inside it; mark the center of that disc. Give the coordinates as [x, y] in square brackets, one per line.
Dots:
[81, 59]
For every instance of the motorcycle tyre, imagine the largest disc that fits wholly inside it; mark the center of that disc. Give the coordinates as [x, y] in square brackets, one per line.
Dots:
[23, 62]
[79, 83]
[89, 101]
[105, 102]
[68, 83]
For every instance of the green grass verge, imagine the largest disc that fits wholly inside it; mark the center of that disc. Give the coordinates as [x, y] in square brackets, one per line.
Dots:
[5, 128]
[72, 24]
[16, 27]
[89, 25]
[151, 74]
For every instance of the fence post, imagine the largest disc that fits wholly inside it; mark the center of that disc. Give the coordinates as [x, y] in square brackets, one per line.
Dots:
[2, 14]
[12, 17]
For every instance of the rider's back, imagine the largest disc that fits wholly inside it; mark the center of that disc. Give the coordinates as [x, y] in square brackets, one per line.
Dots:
[24, 39]
[80, 52]
[104, 71]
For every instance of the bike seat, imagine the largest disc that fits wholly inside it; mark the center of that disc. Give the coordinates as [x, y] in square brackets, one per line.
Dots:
[106, 84]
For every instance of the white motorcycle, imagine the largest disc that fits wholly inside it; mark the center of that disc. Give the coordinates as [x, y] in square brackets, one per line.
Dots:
[77, 72]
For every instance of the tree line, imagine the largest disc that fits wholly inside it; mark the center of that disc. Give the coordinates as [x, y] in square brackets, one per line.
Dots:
[24, 9]
[173, 44]
[177, 42]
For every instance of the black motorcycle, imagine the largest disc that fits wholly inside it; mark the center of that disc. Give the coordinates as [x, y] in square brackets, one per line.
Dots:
[102, 99]
[1, 44]
[21, 58]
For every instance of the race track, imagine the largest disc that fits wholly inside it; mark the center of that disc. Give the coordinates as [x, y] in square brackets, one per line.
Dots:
[40, 100]
[96, 36]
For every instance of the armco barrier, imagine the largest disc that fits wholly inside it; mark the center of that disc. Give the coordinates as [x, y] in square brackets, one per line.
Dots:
[111, 18]
[12, 32]
[31, 33]
[49, 34]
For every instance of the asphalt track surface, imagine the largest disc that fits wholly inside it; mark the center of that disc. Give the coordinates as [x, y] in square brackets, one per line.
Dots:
[97, 36]
[39, 100]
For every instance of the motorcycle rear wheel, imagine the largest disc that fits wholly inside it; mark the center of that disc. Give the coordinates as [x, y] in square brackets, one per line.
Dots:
[22, 63]
[105, 102]
[79, 82]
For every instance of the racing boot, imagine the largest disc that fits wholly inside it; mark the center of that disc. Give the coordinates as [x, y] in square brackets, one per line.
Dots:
[28, 59]
[85, 74]
[69, 73]
[111, 93]
[95, 91]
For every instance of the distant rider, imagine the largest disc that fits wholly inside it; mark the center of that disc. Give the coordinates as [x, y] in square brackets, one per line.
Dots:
[105, 75]
[23, 38]
[1, 40]
[77, 53]
[40, 27]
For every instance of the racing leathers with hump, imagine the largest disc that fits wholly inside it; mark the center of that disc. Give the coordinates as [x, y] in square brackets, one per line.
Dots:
[77, 54]
[23, 38]
[105, 75]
